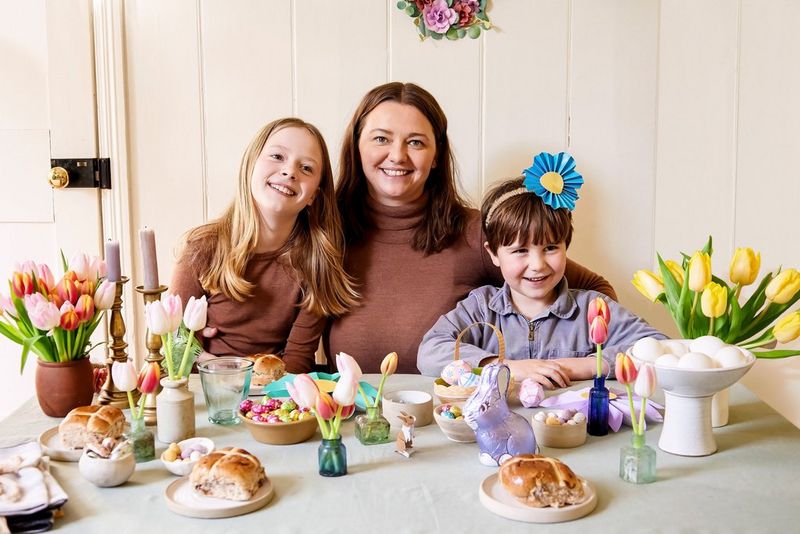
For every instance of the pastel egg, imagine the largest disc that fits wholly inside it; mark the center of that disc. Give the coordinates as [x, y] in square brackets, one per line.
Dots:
[453, 371]
[579, 417]
[708, 345]
[673, 346]
[695, 360]
[667, 360]
[540, 416]
[647, 349]
[468, 380]
[730, 357]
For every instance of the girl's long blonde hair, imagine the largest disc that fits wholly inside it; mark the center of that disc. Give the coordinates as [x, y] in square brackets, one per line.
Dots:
[315, 245]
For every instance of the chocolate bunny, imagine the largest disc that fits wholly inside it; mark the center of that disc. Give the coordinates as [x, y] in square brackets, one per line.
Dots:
[500, 433]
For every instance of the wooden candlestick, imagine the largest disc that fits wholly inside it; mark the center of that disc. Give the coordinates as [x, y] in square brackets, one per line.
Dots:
[116, 328]
[153, 344]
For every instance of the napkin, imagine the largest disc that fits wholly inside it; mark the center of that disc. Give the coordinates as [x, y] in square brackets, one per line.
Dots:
[28, 487]
[618, 408]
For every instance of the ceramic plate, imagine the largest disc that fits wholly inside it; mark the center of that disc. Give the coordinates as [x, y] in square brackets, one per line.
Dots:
[183, 500]
[496, 499]
[255, 390]
[325, 380]
[50, 440]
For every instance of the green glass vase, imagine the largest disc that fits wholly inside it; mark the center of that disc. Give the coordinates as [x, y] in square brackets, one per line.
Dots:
[372, 428]
[332, 457]
[637, 461]
[142, 440]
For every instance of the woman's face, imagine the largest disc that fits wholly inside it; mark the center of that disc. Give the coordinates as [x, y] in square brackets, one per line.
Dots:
[287, 173]
[398, 151]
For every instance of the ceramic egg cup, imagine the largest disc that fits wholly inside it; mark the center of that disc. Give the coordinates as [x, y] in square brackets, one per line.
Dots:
[455, 429]
[184, 467]
[559, 436]
[416, 403]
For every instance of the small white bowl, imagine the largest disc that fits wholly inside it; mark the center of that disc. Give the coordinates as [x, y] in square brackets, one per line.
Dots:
[184, 467]
[105, 472]
[416, 403]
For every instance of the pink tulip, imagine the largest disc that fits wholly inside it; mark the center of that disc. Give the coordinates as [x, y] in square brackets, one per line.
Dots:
[156, 318]
[69, 318]
[43, 314]
[347, 411]
[86, 287]
[44, 278]
[345, 391]
[149, 377]
[124, 375]
[97, 268]
[598, 330]
[194, 316]
[173, 310]
[8, 305]
[645, 384]
[67, 291]
[79, 263]
[21, 284]
[625, 370]
[104, 296]
[85, 308]
[304, 391]
[27, 266]
[598, 306]
[325, 406]
[348, 366]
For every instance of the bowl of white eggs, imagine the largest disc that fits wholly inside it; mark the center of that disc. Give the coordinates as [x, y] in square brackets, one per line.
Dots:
[691, 371]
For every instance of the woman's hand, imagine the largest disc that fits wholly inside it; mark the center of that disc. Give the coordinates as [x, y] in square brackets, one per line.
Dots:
[208, 332]
[549, 373]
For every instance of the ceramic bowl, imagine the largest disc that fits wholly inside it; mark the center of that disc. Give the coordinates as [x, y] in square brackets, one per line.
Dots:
[559, 436]
[182, 467]
[107, 473]
[282, 433]
[416, 403]
[455, 429]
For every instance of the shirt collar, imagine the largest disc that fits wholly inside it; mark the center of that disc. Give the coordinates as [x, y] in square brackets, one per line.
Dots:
[564, 306]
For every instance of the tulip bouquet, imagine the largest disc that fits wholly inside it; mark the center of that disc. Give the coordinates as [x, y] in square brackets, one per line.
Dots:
[177, 326]
[53, 319]
[599, 316]
[701, 303]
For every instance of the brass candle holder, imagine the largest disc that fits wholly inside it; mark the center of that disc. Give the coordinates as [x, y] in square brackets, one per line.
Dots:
[109, 394]
[153, 344]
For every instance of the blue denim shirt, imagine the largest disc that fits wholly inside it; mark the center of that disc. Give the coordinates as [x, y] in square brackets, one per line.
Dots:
[561, 331]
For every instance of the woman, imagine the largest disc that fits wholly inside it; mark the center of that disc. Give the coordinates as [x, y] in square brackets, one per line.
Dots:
[414, 247]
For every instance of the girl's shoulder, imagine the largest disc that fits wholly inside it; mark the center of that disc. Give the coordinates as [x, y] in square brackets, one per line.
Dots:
[200, 244]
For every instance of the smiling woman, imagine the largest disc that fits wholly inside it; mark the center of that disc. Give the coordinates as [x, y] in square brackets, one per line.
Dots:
[271, 266]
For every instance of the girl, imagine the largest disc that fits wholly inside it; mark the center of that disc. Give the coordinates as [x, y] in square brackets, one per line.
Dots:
[271, 266]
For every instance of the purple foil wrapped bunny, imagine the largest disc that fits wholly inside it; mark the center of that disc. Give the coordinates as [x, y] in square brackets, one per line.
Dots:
[500, 433]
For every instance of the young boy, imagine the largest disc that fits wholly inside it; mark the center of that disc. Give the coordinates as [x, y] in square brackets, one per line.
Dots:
[544, 323]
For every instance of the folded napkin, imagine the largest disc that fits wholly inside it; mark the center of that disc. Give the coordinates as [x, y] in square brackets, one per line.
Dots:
[26, 485]
[618, 406]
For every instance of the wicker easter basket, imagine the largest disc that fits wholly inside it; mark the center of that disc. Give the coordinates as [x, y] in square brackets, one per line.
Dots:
[454, 393]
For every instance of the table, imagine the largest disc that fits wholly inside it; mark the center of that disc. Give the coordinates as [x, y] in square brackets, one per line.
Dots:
[749, 485]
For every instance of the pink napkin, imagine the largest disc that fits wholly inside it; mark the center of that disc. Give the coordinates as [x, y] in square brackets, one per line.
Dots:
[618, 409]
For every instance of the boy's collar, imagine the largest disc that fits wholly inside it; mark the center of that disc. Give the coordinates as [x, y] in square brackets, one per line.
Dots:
[563, 307]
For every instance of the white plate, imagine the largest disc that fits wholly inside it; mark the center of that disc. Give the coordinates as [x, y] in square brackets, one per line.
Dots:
[255, 390]
[183, 500]
[496, 499]
[50, 440]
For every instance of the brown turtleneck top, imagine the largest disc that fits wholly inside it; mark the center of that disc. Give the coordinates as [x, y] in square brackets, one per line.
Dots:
[404, 292]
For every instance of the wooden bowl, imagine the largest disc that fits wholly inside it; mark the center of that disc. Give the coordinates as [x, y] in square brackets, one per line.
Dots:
[455, 429]
[416, 403]
[282, 433]
[451, 394]
[559, 436]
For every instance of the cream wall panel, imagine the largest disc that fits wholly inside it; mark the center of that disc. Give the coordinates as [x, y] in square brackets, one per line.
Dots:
[335, 64]
[25, 156]
[525, 95]
[23, 62]
[166, 159]
[612, 136]
[696, 151]
[247, 82]
[451, 72]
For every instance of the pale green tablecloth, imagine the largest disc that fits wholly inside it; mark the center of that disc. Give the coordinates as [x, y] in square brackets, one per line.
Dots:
[752, 484]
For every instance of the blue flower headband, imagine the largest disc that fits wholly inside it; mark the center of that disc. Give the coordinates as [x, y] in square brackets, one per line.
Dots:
[552, 178]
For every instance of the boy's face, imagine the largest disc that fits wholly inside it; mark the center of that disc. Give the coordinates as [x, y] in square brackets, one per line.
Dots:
[532, 272]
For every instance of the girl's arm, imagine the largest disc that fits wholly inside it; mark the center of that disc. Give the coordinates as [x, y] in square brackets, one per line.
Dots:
[303, 341]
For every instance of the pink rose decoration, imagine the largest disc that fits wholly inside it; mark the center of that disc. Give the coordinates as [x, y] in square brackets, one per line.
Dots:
[439, 17]
[465, 9]
[531, 393]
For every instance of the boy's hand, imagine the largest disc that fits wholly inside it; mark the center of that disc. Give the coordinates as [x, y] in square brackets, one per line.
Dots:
[549, 373]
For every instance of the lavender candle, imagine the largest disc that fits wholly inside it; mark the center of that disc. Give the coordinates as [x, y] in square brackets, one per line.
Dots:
[147, 242]
[112, 261]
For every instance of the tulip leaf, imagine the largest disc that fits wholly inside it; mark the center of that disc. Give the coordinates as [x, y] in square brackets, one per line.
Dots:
[64, 264]
[708, 249]
[774, 354]
[736, 318]
[671, 287]
[756, 300]
[768, 315]
[11, 333]
[26, 349]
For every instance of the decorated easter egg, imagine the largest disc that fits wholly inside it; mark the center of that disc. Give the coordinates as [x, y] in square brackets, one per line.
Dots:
[695, 360]
[468, 380]
[667, 360]
[453, 371]
[647, 349]
[673, 346]
[730, 357]
[708, 345]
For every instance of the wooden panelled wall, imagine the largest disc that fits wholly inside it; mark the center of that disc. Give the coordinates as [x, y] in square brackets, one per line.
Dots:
[682, 115]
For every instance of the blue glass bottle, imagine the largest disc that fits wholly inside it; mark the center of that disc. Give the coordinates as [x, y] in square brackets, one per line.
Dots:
[597, 424]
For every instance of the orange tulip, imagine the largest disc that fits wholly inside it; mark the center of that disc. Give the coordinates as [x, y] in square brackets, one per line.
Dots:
[67, 291]
[85, 308]
[21, 284]
[625, 370]
[69, 318]
[149, 377]
[326, 407]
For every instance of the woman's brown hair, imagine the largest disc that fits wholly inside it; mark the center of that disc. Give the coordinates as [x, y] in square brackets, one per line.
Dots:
[445, 215]
[315, 246]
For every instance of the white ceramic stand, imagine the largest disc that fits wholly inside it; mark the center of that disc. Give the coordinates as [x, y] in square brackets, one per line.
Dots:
[719, 408]
[687, 426]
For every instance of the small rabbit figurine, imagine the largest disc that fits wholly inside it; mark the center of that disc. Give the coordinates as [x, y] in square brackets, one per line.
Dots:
[405, 445]
[500, 433]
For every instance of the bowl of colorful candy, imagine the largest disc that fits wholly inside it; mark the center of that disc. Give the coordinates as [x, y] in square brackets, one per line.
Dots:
[277, 421]
[179, 458]
[560, 429]
[450, 418]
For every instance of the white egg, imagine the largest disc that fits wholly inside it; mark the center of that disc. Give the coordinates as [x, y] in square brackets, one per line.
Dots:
[695, 360]
[673, 346]
[647, 349]
[708, 345]
[667, 360]
[730, 357]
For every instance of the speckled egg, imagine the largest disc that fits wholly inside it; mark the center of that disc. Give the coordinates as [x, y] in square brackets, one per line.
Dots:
[454, 370]
[667, 360]
[468, 380]
[708, 345]
[647, 349]
[730, 357]
[695, 360]
[673, 346]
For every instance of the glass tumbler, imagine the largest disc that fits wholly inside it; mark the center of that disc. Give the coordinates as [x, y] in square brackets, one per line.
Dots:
[226, 381]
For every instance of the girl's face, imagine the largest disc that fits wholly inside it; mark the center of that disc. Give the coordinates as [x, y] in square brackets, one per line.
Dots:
[532, 272]
[398, 151]
[287, 173]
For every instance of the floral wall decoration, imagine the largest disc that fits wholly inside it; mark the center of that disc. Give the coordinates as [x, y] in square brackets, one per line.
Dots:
[453, 19]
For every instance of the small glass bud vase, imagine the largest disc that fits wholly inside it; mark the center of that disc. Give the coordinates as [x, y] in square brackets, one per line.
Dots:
[372, 427]
[142, 440]
[332, 456]
[637, 462]
[597, 424]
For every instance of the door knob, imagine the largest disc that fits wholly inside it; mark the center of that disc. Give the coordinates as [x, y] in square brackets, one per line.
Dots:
[58, 177]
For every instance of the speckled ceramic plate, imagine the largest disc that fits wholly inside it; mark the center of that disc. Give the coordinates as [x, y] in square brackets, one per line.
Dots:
[496, 499]
[50, 440]
[183, 500]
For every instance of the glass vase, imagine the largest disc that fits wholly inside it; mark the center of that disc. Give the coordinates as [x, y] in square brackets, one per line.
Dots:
[142, 440]
[637, 461]
[597, 424]
[332, 456]
[372, 428]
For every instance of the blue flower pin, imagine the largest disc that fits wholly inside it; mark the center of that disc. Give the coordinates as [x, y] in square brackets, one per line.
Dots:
[554, 179]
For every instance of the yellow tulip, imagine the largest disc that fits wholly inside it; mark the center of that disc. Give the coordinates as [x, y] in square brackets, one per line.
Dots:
[783, 287]
[744, 266]
[787, 328]
[676, 271]
[648, 284]
[699, 271]
[714, 300]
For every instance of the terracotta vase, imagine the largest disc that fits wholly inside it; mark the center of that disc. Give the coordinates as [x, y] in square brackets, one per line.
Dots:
[62, 386]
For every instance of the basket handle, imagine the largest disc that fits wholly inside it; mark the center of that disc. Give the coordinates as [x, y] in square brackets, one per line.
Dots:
[501, 342]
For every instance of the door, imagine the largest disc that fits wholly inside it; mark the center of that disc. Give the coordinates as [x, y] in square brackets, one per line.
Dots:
[47, 110]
